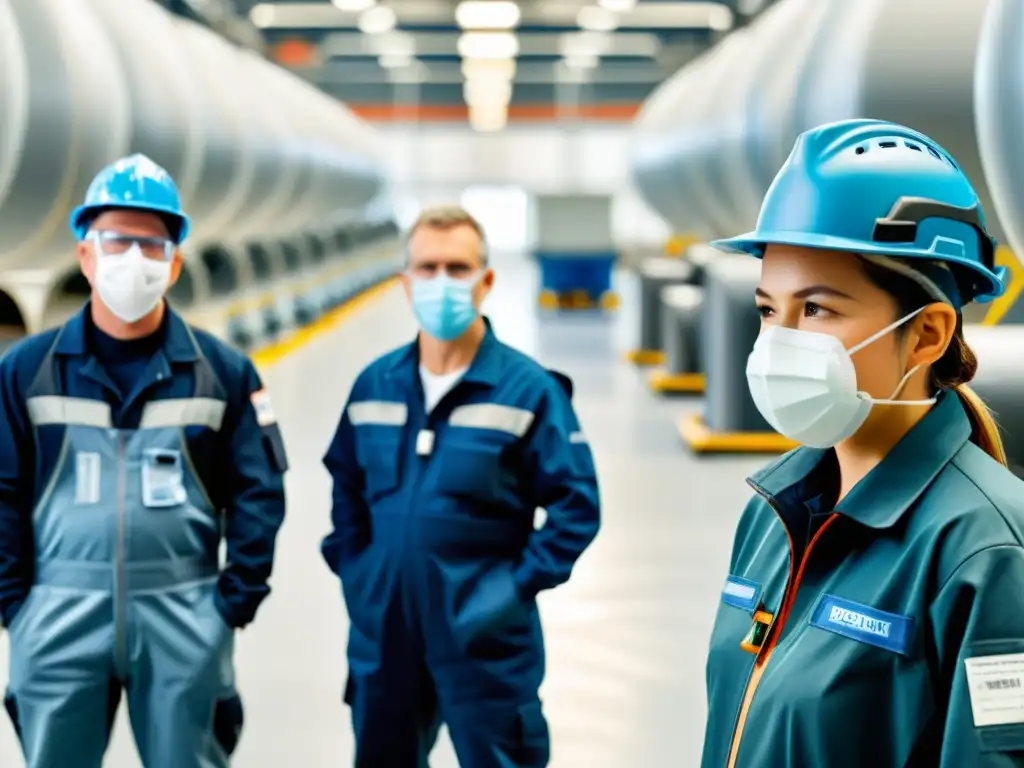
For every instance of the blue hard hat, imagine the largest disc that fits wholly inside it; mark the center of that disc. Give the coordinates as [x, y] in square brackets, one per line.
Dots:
[133, 182]
[874, 187]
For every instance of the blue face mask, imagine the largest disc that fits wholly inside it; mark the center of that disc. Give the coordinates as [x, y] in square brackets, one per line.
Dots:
[444, 306]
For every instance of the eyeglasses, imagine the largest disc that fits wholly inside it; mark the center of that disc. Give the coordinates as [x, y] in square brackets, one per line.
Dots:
[111, 243]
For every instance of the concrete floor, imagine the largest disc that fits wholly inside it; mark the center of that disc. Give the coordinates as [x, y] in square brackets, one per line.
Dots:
[626, 637]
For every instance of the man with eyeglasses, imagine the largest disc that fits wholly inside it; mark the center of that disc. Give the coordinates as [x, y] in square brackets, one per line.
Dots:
[445, 450]
[130, 445]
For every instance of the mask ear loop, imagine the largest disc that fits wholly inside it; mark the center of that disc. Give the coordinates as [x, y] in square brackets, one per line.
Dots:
[891, 400]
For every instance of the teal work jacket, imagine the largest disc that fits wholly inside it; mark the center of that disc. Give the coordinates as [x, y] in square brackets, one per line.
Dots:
[886, 631]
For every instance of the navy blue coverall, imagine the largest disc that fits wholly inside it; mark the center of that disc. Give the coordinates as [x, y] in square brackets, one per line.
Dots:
[439, 559]
[123, 465]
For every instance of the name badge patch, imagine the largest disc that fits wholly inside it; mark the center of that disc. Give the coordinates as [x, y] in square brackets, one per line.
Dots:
[885, 630]
[741, 593]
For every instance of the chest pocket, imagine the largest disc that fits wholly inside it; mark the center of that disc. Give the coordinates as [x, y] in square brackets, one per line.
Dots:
[475, 441]
[379, 426]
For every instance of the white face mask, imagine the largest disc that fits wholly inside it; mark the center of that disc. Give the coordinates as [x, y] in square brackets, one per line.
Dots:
[805, 385]
[130, 284]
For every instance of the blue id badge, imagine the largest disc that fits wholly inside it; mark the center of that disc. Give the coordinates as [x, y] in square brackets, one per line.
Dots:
[162, 478]
[741, 593]
[889, 631]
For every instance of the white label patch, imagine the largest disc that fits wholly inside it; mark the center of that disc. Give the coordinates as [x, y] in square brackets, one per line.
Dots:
[264, 410]
[996, 685]
[87, 477]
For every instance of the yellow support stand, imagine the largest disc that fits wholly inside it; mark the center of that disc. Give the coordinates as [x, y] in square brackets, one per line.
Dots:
[675, 247]
[548, 300]
[998, 308]
[646, 357]
[664, 382]
[696, 434]
[574, 300]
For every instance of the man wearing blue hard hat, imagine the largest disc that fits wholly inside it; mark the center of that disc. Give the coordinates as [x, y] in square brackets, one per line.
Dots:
[873, 612]
[130, 445]
[445, 450]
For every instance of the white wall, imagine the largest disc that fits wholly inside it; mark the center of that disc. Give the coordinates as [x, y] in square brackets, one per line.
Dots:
[544, 158]
[437, 163]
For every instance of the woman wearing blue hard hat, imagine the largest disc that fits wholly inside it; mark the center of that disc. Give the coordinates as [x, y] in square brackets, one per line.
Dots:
[873, 614]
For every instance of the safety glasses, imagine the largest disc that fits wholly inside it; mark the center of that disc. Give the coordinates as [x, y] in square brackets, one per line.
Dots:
[111, 243]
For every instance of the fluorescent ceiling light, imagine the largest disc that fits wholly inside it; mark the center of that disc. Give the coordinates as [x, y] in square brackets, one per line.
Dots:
[263, 15]
[617, 6]
[353, 6]
[582, 61]
[488, 45]
[719, 18]
[487, 92]
[584, 44]
[487, 125]
[377, 20]
[504, 69]
[392, 44]
[394, 61]
[415, 72]
[487, 119]
[596, 19]
[567, 75]
[487, 14]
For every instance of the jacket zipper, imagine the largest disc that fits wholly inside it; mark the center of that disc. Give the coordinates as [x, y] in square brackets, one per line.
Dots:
[777, 625]
[120, 621]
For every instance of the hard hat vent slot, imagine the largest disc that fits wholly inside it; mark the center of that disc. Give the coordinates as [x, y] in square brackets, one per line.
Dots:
[913, 146]
[887, 144]
[860, 150]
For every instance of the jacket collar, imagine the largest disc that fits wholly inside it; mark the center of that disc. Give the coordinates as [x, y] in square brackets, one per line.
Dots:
[881, 498]
[179, 345]
[485, 369]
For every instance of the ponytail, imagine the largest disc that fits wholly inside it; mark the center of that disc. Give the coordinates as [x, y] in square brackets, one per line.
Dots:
[984, 430]
[957, 365]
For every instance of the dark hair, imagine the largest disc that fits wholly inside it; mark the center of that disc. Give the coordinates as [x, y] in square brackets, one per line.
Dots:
[958, 364]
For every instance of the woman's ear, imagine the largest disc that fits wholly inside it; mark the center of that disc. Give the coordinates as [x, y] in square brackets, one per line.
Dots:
[931, 333]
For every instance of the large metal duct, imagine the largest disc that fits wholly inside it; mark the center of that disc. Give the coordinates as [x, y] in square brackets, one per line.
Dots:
[261, 156]
[999, 108]
[783, 44]
[77, 119]
[718, 115]
[801, 64]
[13, 97]
[653, 146]
[862, 66]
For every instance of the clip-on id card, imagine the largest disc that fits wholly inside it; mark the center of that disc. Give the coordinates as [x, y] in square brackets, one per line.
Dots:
[758, 633]
[162, 478]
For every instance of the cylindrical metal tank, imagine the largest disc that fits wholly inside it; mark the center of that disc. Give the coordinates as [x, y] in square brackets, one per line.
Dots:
[801, 64]
[718, 116]
[772, 109]
[653, 145]
[166, 121]
[14, 87]
[77, 118]
[862, 65]
[999, 108]
[260, 155]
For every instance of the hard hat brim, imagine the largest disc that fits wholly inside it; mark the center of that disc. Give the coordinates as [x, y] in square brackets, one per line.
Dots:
[754, 244]
[83, 211]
